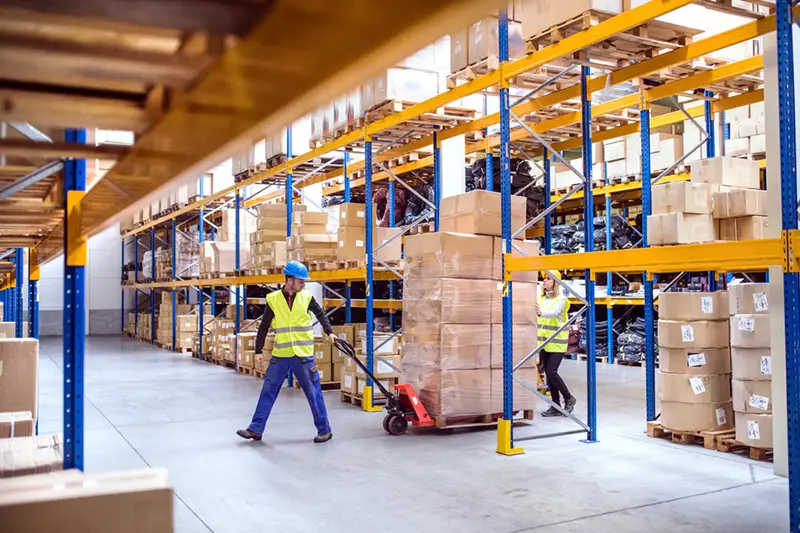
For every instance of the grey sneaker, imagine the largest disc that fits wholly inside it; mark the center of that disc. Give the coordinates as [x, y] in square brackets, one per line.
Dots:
[325, 437]
[569, 404]
[552, 412]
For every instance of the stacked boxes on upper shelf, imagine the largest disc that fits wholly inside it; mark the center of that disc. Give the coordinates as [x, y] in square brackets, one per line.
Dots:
[351, 234]
[751, 363]
[187, 322]
[268, 241]
[747, 131]
[310, 241]
[720, 188]
[694, 383]
[452, 324]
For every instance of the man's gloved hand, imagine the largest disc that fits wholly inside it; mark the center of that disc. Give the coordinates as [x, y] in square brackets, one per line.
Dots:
[332, 336]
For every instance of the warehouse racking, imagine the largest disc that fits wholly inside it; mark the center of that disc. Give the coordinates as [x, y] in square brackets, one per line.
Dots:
[719, 257]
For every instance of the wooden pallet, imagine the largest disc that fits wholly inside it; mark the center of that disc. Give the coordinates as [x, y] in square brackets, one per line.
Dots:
[599, 358]
[528, 80]
[731, 445]
[709, 439]
[357, 399]
[248, 371]
[325, 385]
[259, 374]
[476, 420]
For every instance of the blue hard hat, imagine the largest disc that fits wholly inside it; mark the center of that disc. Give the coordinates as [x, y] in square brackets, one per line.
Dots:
[296, 269]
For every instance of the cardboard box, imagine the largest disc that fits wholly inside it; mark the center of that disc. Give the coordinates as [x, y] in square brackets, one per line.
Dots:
[348, 382]
[737, 147]
[22, 456]
[739, 203]
[479, 212]
[679, 228]
[448, 393]
[323, 351]
[683, 197]
[524, 340]
[752, 364]
[134, 501]
[382, 345]
[686, 361]
[18, 424]
[754, 429]
[383, 367]
[758, 143]
[393, 251]
[752, 396]
[693, 305]
[354, 215]
[700, 388]
[345, 332]
[750, 331]
[336, 372]
[743, 228]
[682, 416]
[459, 50]
[539, 16]
[614, 150]
[483, 40]
[723, 170]
[19, 368]
[522, 399]
[8, 330]
[246, 358]
[448, 255]
[693, 334]
[350, 243]
[748, 298]
[388, 383]
[523, 305]
[260, 362]
[431, 344]
[324, 371]
[528, 248]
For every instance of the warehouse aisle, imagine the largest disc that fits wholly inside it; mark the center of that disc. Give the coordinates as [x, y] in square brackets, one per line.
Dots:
[146, 406]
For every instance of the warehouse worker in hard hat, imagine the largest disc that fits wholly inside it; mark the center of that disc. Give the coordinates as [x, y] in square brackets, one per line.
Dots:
[287, 312]
[552, 310]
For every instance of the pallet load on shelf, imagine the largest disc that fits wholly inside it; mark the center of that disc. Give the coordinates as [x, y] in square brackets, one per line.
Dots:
[741, 212]
[268, 242]
[751, 363]
[477, 45]
[143, 331]
[223, 339]
[686, 212]
[22, 456]
[139, 501]
[452, 323]
[16, 424]
[246, 349]
[187, 261]
[351, 235]
[694, 383]
[747, 131]
[130, 324]
[19, 362]
[310, 242]
[186, 324]
[8, 330]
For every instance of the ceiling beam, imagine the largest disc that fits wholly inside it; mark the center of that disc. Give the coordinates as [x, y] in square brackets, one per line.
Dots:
[30, 179]
[60, 150]
[15, 170]
[68, 111]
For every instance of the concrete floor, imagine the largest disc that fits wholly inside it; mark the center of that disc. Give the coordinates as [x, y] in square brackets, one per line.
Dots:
[149, 407]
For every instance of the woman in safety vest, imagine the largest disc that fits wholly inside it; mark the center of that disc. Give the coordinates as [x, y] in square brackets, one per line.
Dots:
[552, 311]
[288, 312]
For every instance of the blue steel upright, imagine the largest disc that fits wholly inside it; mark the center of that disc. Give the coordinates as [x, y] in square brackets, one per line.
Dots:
[33, 294]
[548, 220]
[152, 290]
[201, 290]
[368, 399]
[74, 305]
[588, 242]
[791, 280]
[136, 280]
[505, 192]
[392, 186]
[609, 275]
[237, 290]
[122, 290]
[488, 161]
[174, 248]
[437, 178]
[346, 176]
[649, 311]
[711, 142]
[20, 283]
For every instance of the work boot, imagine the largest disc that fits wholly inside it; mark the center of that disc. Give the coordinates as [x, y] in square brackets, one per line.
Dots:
[569, 404]
[324, 437]
[247, 434]
[552, 412]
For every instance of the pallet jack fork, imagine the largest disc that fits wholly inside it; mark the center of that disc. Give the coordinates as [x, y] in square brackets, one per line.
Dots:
[402, 407]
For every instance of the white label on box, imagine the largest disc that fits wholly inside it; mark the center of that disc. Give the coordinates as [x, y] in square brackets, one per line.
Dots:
[759, 402]
[321, 374]
[747, 324]
[707, 305]
[360, 214]
[687, 333]
[752, 430]
[696, 359]
[722, 419]
[766, 365]
[348, 380]
[360, 244]
[384, 368]
[760, 301]
[341, 244]
[697, 385]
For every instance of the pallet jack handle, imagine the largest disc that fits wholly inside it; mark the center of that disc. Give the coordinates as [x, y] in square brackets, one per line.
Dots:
[347, 349]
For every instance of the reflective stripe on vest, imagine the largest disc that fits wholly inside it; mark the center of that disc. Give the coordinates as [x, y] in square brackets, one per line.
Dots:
[294, 333]
[548, 326]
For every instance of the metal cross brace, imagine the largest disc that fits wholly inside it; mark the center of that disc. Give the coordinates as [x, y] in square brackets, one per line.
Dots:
[551, 403]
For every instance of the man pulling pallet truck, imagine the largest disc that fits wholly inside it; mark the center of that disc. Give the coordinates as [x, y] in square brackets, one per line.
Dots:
[288, 312]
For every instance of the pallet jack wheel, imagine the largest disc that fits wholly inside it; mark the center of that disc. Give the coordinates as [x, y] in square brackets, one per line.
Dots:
[386, 423]
[397, 425]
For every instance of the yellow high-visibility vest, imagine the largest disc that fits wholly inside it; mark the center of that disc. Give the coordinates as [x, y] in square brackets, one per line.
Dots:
[548, 326]
[294, 333]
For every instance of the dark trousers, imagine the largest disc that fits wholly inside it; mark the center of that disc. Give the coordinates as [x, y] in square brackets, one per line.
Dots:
[305, 372]
[551, 361]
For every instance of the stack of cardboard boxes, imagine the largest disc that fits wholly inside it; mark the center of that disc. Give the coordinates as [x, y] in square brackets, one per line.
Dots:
[268, 242]
[246, 349]
[748, 128]
[261, 360]
[694, 383]
[452, 319]
[752, 363]
[164, 323]
[721, 188]
[144, 327]
[310, 241]
[223, 340]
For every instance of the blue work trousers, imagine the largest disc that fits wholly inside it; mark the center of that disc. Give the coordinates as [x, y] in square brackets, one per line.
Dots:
[305, 372]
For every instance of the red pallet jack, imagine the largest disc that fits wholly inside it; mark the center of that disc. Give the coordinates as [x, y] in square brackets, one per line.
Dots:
[402, 407]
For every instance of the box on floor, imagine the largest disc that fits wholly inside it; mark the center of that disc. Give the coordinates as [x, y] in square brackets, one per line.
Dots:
[752, 396]
[753, 364]
[451, 392]
[682, 416]
[748, 298]
[750, 331]
[693, 305]
[693, 334]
